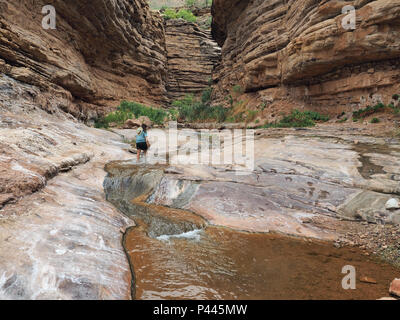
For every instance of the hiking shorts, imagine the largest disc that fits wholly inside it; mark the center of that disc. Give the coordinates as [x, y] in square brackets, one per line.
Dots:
[141, 146]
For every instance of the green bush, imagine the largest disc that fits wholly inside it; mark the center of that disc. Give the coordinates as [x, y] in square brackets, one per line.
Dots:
[206, 95]
[126, 110]
[169, 14]
[230, 119]
[298, 119]
[186, 15]
[316, 116]
[155, 115]
[237, 89]
[396, 97]
[375, 120]
[395, 110]
[363, 113]
[252, 114]
[181, 14]
[191, 109]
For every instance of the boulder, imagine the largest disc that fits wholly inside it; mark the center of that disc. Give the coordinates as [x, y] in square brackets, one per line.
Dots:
[145, 120]
[395, 288]
[392, 204]
[132, 123]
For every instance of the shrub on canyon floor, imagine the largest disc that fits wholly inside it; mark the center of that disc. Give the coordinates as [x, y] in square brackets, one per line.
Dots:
[181, 14]
[395, 110]
[380, 107]
[127, 110]
[298, 119]
[251, 115]
[238, 89]
[363, 113]
[192, 109]
[375, 120]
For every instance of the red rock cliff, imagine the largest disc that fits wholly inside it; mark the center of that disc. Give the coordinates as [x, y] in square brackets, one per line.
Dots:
[102, 51]
[297, 54]
[192, 56]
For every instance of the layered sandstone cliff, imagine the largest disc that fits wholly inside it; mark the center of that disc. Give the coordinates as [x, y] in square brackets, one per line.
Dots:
[294, 53]
[192, 56]
[100, 53]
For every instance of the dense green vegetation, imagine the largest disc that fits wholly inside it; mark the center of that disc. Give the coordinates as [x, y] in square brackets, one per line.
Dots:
[192, 109]
[363, 113]
[237, 89]
[126, 110]
[189, 109]
[200, 109]
[187, 15]
[298, 119]
[380, 107]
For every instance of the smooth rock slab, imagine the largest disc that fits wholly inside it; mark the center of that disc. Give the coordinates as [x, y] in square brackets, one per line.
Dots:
[63, 241]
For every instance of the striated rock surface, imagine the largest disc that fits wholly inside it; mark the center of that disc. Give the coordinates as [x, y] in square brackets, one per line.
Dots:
[192, 56]
[299, 179]
[59, 237]
[289, 54]
[101, 52]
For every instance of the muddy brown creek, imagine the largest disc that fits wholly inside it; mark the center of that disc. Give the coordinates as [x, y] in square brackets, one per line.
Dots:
[219, 263]
[204, 233]
[175, 254]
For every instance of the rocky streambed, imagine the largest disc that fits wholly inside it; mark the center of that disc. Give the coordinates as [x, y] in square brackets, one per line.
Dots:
[207, 232]
[203, 231]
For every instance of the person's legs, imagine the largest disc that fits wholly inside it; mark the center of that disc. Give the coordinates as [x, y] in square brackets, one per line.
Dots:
[145, 155]
[138, 155]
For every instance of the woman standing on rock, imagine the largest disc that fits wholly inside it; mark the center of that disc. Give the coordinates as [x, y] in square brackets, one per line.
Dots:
[142, 143]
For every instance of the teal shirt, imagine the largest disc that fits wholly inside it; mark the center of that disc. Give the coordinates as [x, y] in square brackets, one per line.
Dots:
[141, 137]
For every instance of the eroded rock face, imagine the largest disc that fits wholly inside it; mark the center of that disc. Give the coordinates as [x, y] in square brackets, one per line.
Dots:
[100, 53]
[59, 237]
[192, 56]
[297, 54]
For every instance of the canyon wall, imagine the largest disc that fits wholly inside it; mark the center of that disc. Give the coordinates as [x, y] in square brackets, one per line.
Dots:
[290, 53]
[102, 51]
[192, 56]
[282, 54]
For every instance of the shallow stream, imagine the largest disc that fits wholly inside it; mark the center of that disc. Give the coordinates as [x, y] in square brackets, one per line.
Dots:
[219, 263]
